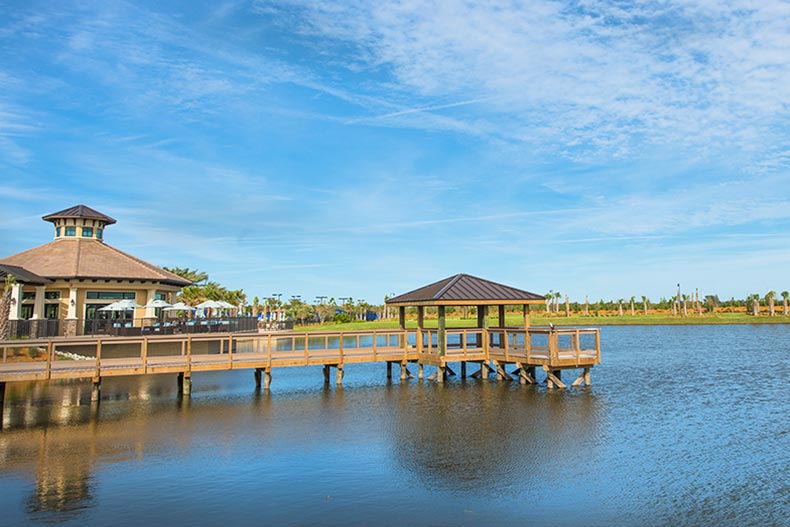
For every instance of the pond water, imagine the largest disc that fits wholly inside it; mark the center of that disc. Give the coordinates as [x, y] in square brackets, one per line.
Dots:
[684, 425]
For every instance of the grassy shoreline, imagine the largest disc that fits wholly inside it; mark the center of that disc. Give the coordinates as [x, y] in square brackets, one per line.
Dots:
[540, 319]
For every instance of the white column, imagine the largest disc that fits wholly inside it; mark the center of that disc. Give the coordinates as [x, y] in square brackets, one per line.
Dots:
[149, 311]
[72, 303]
[16, 302]
[38, 306]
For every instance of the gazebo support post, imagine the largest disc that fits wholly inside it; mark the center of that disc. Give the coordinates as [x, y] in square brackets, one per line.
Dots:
[527, 321]
[441, 334]
[420, 328]
[402, 317]
[502, 316]
[482, 323]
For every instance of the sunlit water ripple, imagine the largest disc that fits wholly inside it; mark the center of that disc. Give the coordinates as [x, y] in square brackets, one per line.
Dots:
[684, 425]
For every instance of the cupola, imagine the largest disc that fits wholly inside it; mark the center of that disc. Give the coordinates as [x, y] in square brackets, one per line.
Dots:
[79, 221]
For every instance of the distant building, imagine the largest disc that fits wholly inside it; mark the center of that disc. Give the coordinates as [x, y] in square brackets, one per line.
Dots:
[71, 277]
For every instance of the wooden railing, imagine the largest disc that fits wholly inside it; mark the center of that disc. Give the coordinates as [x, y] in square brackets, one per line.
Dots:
[536, 345]
[92, 356]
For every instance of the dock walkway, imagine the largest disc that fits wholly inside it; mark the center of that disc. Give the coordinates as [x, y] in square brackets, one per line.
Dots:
[493, 349]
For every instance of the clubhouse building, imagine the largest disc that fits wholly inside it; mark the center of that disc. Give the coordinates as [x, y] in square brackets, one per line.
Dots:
[61, 285]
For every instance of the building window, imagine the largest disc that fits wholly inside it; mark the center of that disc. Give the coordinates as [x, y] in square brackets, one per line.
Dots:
[28, 295]
[57, 231]
[52, 295]
[161, 296]
[98, 233]
[26, 312]
[110, 295]
[51, 311]
[87, 232]
[71, 230]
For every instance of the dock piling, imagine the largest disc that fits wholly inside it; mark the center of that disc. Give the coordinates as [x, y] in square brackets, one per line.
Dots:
[267, 379]
[339, 376]
[96, 390]
[326, 374]
[185, 383]
[420, 373]
[257, 378]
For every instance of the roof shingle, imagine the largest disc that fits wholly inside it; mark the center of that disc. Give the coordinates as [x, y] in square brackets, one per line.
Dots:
[88, 258]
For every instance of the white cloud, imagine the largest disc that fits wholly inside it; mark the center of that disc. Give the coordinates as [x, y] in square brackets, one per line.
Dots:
[589, 76]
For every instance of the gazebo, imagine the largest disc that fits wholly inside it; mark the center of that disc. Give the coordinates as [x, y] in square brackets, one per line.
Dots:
[464, 290]
[499, 344]
[459, 291]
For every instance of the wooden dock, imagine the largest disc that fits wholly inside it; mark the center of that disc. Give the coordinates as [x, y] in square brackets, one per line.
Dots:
[495, 350]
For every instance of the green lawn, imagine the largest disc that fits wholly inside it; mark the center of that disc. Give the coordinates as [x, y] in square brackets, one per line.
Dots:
[540, 319]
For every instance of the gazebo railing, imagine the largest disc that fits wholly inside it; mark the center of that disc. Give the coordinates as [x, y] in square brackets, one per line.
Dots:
[535, 345]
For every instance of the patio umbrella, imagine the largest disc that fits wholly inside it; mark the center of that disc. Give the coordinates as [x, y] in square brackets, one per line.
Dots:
[226, 305]
[121, 305]
[180, 306]
[209, 304]
[157, 304]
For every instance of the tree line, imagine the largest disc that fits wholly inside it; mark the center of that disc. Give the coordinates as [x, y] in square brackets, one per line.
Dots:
[679, 304]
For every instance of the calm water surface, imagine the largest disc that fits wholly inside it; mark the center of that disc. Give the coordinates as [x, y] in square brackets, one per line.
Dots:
[682, 426]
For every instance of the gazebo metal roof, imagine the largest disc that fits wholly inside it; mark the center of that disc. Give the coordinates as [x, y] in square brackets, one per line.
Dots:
[464, 289]
[80, 211]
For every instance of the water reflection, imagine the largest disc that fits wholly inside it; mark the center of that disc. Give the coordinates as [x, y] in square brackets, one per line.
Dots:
[64, 487]
[637, 448]
[484, 436]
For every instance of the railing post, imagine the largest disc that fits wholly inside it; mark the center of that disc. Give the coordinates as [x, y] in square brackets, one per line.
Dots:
[341, 347]
[269, 349]
[598, 345]
[507, 345]
[578, 347]
[374, 345]
[189, 354]
[230, 352]
[144, 354]
[306, 353]
[98, 359]
[463, 344]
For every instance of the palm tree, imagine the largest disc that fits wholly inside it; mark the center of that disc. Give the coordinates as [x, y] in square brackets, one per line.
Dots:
[755, 301]
[586, 305]
[685, 305]
[785, 296]
[255, 305]
[644, 304]
[620, 305]
[633, 312]
[549, 298]
[557, 297]
[769, 297]
[193, 275]
[5, 307]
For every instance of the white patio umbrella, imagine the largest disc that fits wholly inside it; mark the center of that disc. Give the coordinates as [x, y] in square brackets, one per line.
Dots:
[226, 305]
[180, 306]
[157, 304]
[121, 305]
[209, 304]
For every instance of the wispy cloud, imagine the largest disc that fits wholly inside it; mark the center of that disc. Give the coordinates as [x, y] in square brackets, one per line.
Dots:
[591, 76]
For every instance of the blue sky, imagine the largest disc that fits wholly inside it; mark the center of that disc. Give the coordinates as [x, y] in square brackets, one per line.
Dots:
[362, 148]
